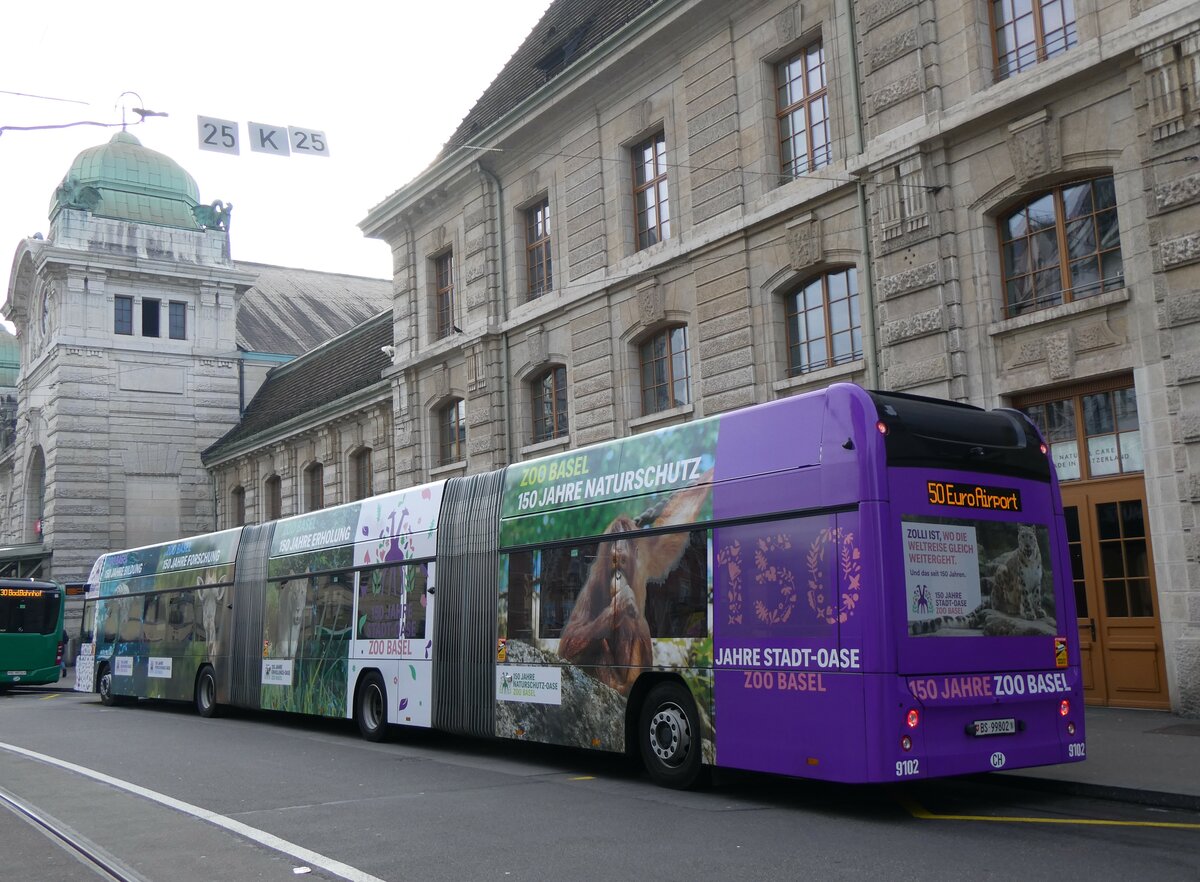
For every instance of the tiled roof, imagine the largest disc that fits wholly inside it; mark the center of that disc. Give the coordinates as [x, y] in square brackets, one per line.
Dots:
[568, 30]
[291, 311]
[341, 367]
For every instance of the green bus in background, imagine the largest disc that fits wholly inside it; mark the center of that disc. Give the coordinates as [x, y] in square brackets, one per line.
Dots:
[31, 632]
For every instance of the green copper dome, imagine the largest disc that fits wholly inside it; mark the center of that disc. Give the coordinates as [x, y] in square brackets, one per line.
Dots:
[124, 180]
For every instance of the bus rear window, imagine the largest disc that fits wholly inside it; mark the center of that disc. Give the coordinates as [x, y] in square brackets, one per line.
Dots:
[37, 614]
[922, 432]
[977, 577]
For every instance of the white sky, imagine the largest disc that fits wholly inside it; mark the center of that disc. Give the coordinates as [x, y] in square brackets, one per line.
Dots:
[388, 81]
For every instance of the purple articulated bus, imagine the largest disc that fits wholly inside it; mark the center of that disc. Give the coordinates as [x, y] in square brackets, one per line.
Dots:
[844, 585]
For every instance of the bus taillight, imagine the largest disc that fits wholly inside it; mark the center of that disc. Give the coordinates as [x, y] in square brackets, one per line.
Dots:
[906, 743]
[1043, 448]
[913, 718]
[882, 427]
[1064, 708]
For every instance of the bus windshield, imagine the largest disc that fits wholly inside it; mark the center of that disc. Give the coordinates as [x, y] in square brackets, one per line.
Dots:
[28, 611]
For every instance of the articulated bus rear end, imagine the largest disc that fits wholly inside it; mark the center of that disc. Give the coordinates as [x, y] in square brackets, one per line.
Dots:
[978, 594]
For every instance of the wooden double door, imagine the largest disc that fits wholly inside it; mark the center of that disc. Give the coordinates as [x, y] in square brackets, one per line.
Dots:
[1112, 567]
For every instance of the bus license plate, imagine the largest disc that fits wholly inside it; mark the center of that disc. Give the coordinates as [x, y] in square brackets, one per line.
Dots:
[995, 727]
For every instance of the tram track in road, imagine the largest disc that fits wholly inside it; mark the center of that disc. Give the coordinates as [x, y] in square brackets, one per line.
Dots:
[84, 850]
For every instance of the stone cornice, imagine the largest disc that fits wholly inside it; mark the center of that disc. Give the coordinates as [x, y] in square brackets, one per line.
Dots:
[51, 255]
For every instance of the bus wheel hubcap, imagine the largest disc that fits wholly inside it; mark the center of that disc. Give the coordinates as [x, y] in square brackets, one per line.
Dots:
[670, 737]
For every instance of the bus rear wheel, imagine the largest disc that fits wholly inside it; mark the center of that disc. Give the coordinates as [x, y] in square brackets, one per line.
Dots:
[206, 692]
[370, 710]
[669, 736]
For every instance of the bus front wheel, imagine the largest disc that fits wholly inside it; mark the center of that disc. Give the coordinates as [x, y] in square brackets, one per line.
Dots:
[371, 708]
[104, 686]
[206, 692]
[669, 736]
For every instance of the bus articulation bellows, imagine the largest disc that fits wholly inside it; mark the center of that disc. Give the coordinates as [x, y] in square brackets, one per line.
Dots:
[845, 585]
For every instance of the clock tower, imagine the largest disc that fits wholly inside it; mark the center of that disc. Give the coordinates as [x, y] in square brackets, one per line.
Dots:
[125, 314]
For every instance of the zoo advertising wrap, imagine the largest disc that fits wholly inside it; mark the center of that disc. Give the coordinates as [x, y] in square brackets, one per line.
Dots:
[777, 637]
[172, 632]
[308, 626]
[776, 598]
[166, 566]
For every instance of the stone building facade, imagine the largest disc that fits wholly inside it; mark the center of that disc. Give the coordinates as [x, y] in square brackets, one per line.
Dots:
[664, 210]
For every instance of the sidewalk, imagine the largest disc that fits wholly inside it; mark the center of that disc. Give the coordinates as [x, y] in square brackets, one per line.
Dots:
[1148, 757]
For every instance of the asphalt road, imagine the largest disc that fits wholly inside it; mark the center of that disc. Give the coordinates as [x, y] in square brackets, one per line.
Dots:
[262, 796]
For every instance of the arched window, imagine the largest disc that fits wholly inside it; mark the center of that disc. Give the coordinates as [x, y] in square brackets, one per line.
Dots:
[314, 487]
[452, 432]
[237, 506]
[274, 497]
[549, 404]
[665, 373]
[35, 496]
[824, 324]
[360, 474]
[1060, 246]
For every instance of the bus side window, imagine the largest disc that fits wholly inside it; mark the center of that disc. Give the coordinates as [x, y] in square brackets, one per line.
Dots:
[129, 617]
[181, 615]
[564, 571]
[107, 611]
[87, 627]
[677, 606]
[416, 581]
[521, 566]
[330, 599]
[154, 624]
[380, 603]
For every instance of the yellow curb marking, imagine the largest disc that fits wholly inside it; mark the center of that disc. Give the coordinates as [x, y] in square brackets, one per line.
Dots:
[51, 695]
[583, 778]
[924, 814]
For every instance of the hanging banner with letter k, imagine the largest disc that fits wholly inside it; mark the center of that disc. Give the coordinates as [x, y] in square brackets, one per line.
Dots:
[221, 135]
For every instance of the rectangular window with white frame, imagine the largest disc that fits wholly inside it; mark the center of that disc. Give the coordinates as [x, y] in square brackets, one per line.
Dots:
[443, 294]
[652, 211]
[802, 110]
[537, 249]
